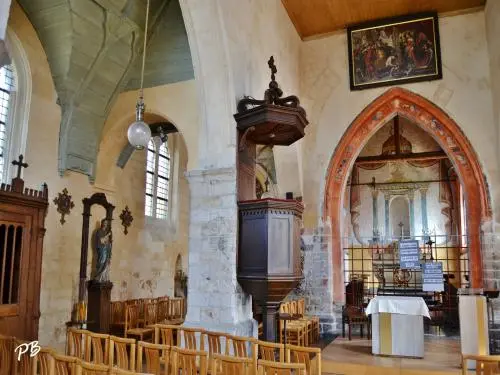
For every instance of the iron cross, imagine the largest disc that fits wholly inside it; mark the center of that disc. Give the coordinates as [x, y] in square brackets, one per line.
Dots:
[20, 165]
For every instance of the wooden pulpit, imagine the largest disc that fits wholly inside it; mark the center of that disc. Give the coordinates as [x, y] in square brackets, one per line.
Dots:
[269, 254]
[269, 229]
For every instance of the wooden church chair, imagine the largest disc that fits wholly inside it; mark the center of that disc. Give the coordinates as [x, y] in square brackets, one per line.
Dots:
[122, 353]
[150, 314]
[353, 313]
[97, 348]
[64, 365]
[163, 311]
[218, 343]
[166, 334]
[189, 362]
[190, 337]
[356, 317]
[296, 330]
[24, 364]
[270, 351]
[301, 310]
[155, 356]
[7, 354]
[278, 368]
[119, 371]
[176, 310]
[117, 319]
[311, 357]
[485, 364]
[76, 342]
[243, 346]
[87, 368]
[132, 324]
[229, 365]
[44, 362]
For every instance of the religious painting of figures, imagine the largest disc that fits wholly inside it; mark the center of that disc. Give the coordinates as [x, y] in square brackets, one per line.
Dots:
[394, 51]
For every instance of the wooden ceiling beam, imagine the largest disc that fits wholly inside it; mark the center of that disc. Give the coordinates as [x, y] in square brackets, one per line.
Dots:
[433, 155]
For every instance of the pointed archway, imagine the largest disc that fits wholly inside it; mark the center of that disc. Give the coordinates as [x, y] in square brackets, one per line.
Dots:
[448, 135]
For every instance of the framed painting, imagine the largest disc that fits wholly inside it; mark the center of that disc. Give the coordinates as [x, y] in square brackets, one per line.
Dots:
[394, 51]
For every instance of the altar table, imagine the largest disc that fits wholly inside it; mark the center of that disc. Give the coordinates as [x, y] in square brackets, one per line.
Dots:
[397, 325]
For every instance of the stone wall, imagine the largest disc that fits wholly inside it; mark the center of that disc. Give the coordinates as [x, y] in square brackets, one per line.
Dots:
[317, 286]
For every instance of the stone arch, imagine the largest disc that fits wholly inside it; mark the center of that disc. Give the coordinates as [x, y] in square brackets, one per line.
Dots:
[446, 132]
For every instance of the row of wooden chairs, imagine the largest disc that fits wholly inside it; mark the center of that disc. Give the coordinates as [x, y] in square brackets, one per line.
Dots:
[121, 352]
[304, 331]
[144, 312]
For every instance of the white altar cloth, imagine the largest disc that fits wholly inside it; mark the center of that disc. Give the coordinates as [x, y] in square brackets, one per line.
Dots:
[398, 305]
[397, 325]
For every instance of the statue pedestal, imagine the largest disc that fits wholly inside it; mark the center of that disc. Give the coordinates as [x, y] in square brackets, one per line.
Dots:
[98, 313]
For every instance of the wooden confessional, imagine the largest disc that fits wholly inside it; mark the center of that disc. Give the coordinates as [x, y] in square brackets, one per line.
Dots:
[22, 219]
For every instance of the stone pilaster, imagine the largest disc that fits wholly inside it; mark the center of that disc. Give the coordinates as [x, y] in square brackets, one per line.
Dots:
[215, 299]
[375, 214]
[423, 203]
[412, 213]
[386, 210]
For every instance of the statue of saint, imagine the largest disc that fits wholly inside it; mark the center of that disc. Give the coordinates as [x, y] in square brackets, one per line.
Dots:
[103, 245]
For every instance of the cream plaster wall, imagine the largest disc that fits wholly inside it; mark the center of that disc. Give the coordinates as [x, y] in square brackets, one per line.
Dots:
[492, 14]
[464, 93]
[143, 261]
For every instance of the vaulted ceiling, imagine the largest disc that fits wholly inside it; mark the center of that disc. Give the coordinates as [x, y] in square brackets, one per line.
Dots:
[317, 17]
[93, 48]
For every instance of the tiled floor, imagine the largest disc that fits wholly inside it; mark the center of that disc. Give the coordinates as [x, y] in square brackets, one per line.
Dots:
[344, 357]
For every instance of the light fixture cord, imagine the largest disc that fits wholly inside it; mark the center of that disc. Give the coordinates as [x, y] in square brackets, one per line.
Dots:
[145, 46]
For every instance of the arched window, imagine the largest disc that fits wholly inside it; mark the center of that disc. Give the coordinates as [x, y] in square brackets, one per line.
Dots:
[157, 179]
[6, 105]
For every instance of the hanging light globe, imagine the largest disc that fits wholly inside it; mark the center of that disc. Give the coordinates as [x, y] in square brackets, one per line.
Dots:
[139, 133]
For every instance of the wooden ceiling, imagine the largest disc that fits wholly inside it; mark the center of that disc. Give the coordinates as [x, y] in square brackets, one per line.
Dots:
[316, 17]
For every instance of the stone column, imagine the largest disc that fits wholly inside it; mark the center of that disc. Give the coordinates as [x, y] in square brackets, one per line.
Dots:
[387, 229]
[423, 202]
[215, 299]
[376, 234]
[411, 197]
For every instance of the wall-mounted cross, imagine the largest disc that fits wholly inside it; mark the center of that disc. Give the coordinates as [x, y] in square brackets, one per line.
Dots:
[401, 227]
[20, 165]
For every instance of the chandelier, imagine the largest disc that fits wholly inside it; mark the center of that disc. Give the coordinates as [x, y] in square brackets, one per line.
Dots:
[139, 133]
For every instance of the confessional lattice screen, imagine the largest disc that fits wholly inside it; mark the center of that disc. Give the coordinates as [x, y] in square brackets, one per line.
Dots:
[11, 237]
